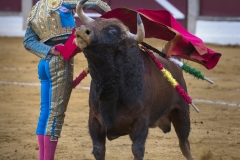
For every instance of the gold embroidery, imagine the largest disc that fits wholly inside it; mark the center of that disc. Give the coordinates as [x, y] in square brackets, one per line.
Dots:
[59, 38]
[54, 4]
[45, 19]
[32, 13]
[103, 5]
[62, 76]
[71, 1]
[47, 23]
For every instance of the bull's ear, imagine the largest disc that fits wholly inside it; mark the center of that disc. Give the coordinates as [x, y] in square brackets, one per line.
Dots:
[81, 15]
[140, 31]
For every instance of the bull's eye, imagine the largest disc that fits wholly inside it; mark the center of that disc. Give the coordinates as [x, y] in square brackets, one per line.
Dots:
[112, 31]
[78, 36]
[111, 35]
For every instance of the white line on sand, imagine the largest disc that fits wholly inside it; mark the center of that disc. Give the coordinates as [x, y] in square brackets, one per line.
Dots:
[18, 68]
[35, 84]
[88, 88]
[20, 83]
[216, 102]
[187, 77]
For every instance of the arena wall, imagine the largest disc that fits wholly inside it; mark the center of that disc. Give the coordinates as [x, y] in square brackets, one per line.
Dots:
[200, 17]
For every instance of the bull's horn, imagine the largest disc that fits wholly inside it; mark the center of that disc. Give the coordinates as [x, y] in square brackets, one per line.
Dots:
[140, 30]
[82, 16]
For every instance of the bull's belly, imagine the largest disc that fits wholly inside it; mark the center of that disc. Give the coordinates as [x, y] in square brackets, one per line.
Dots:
[121, 127]
[115, 135]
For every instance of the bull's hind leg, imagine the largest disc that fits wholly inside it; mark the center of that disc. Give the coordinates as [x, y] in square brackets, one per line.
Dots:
[181, 122]
[98, 137]
[138, 137]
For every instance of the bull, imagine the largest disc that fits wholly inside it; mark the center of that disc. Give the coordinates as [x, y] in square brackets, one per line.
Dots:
[128, 94]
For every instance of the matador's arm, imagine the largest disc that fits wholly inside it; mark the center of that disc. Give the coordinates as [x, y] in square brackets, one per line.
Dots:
[32, 44]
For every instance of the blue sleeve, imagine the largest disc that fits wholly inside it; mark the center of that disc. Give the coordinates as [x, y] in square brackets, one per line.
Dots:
[32, 44]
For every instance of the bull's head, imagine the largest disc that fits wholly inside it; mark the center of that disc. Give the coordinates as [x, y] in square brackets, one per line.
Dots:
[104, 32]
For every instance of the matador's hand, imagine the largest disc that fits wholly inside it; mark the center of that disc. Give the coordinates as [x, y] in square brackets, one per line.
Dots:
[53, 51]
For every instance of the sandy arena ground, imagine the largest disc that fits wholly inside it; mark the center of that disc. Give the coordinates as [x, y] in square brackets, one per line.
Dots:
[215, 133]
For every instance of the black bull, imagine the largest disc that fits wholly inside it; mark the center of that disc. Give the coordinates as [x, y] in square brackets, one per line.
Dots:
[128, 93]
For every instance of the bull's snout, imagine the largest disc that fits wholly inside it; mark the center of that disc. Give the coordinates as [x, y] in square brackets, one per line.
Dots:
[83, 36]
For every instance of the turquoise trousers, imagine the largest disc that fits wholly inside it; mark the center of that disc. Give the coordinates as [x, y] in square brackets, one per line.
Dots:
[56, 76]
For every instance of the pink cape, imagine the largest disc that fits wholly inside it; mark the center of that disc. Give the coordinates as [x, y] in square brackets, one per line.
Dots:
[162, 25]
[69, 49]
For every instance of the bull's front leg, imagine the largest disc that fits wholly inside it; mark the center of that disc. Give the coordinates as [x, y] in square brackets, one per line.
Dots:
[138, 137]
[98, 137]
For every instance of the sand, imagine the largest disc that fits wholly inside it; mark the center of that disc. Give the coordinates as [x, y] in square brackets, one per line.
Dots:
[215, 131]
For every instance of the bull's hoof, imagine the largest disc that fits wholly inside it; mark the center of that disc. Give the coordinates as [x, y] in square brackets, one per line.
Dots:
[98, 153]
